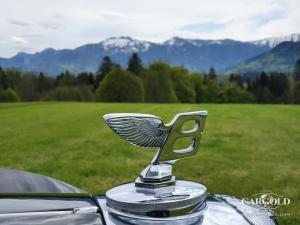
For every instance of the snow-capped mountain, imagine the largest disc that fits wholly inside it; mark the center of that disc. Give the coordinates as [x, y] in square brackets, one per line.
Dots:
[194, 54]
[177, 41]
[274, 41]
[125, 44]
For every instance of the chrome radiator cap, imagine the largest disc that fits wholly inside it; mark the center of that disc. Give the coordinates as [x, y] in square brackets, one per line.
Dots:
[186, 195]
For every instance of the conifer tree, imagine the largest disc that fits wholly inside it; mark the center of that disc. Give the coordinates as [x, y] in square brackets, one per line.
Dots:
[212, 74]
[135, 65]
[105, 67]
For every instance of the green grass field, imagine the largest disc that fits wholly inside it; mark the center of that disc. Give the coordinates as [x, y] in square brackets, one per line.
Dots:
[245, 149]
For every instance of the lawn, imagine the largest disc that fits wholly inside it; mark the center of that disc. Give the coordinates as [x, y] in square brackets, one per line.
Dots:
[246, 149]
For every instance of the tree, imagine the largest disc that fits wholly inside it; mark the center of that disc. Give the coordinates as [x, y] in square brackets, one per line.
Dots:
[66, 79]
[67, 93]
[120, 86]
[212, 74]
[3, 79]
[196, 81]
[261, 89]
[135, 65]
[85, 78]
[249, 85]
[212, 91]
[264, 79]
[297, 70]
[233, 93]
[27, 88]
[205, 79]
[297, 82]
[13, 77]
[158, 84]
[8, 95]
[182, 87]
[105, 67]
[44, 84]
[279, 87]
[236, 79]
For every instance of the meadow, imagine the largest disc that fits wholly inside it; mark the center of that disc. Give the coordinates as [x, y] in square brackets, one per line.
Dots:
[246, 149]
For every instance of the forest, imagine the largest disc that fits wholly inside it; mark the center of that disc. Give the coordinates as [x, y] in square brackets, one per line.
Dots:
[158, 83]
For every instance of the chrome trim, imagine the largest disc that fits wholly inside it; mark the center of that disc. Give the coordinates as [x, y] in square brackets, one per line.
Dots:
[92, 209]
[195, 214]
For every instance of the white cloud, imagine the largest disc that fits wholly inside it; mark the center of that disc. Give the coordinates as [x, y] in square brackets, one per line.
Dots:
[19, 23]
[18, 40]
[70, 23]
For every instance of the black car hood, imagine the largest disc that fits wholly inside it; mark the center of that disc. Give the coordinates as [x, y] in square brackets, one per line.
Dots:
[15, 181]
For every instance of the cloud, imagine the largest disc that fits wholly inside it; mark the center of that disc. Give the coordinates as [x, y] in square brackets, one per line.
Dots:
[50, 25]
[71, 23]
[115, 15]
[24, 49]
[18, 40]
[262, 19]
[204, 27]
[19, 23]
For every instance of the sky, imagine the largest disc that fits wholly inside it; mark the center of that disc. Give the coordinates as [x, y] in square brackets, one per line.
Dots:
[33, 25]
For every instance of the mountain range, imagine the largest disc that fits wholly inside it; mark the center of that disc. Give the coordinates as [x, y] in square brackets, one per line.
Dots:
[194, 54]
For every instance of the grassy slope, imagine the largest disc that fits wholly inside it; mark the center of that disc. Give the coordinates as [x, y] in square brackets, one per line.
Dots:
[245, 149]
[282, 58]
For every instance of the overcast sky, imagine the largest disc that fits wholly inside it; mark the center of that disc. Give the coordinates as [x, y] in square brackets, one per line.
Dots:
[32, 25]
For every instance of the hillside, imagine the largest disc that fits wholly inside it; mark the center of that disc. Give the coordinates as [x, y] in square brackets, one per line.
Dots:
[282, 58]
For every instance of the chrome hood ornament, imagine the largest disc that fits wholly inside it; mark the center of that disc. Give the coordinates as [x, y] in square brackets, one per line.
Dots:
[156, 189]
[146, 130]
[149, 131]
[156, 197]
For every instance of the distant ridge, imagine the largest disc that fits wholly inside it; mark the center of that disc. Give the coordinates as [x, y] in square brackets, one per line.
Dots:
[194, 54]
[274, 41]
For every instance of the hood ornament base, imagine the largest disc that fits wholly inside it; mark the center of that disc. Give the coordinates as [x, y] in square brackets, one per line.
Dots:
[156, 179]
[186, 196]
